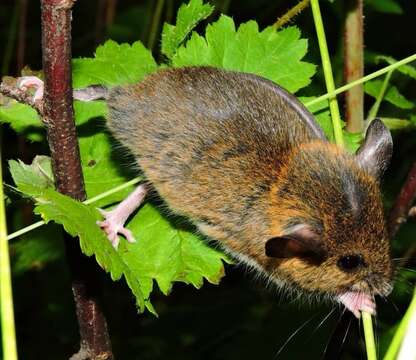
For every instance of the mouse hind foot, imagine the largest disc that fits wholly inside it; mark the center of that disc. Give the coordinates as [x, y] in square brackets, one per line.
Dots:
[114, 220]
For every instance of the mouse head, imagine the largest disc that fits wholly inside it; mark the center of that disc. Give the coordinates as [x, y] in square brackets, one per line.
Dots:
[327, 219]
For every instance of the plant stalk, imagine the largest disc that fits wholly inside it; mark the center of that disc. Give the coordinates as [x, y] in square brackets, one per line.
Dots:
[354, 65]
[401, 331]
[58, 117]
[154, 27]
[8, 331]
[362, 80]
[329, 79]
[370, 344]
[290, 14]
[374, 109]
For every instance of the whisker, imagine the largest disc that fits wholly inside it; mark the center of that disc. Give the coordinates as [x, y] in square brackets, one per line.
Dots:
[323, 321]
[293, 335]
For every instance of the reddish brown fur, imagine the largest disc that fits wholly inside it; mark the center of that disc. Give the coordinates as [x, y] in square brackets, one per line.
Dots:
[245, 164]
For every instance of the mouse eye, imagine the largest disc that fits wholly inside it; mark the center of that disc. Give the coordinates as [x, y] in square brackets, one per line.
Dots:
[350, 262]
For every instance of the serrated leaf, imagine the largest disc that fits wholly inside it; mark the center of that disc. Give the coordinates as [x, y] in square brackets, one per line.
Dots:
[392, 94]
[405, 69]
[113, 64]
[39, 173]
[164, 252]
[189, 15]
[273, 55]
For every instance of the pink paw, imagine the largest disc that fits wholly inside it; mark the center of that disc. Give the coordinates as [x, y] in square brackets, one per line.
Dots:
[358, 301]
[112, 226]
[26, 82]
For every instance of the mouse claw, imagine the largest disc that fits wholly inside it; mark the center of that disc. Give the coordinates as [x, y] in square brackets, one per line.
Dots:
[26, 82]
[114, 220]
[112, 227]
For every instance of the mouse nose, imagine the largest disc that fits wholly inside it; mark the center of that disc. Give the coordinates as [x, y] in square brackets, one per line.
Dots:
[379, 284]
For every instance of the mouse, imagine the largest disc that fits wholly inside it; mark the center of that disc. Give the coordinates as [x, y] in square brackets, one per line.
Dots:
[247, 163]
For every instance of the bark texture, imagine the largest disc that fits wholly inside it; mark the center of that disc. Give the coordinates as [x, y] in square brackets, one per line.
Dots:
[403, 203]
[354, 65]
[58, 116]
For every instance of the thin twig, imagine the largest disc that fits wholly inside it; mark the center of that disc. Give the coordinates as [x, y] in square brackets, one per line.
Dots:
[154, 27]
[290, 14]
[372, 114]
[327, 68]
[403, 203]
[364, 79]
[12, 91]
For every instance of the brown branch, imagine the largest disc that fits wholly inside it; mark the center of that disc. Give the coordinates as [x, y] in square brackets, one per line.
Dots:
[403, 203]
[60, 127]
[291, 14]
[21, 96]
[354, 65]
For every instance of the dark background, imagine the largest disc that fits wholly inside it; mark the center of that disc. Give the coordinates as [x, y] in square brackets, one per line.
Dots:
[240, 318]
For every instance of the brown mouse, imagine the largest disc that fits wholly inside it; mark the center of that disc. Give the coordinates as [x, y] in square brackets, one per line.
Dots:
[246, 162]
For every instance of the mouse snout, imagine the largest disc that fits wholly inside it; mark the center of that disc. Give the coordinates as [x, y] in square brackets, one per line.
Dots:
[379, 284]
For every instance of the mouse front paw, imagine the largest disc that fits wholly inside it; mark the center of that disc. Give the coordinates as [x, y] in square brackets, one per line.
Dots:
[112, 225]
[356, 302]
[26, 82]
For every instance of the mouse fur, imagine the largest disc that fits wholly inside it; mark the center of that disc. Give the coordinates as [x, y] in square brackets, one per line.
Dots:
[247, 163]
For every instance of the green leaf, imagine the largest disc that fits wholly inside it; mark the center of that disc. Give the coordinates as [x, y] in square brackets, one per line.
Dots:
[85, 111]
[405, 69]
[352, 141]
[23, 119]
[273, 55]
[385, 6]
[113, 64]
[392, 94]
[100, 166]
[38, 248]
[39, 173]
[164, 252]
[189, 15]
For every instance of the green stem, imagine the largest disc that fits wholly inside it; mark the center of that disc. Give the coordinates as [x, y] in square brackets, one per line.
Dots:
[154, 27]
[369, 336]
[401, 331]
[86, 202]
[6, 295]
[362, 80]
[374, 109]
[329, 79]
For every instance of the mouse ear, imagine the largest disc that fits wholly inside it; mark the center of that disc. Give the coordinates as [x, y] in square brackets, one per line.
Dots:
[301, 241]
[375, 153]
